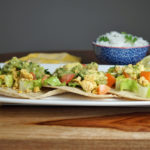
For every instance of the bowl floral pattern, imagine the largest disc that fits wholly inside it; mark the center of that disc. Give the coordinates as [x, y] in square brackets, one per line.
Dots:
[119, 55]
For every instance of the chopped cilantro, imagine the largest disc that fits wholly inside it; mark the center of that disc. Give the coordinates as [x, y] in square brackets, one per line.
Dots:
[103, 38]
[47, 72]
[134, 40]
[73, 84]
[130, 39]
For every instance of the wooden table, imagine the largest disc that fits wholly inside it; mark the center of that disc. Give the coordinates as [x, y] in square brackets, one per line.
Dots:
[73, 128]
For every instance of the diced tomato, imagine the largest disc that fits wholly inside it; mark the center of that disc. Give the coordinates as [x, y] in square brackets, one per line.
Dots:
[145, 74]
[84, 65]
[44, 78]
[67, 78]
[34, 76]
[126, 75]
[103, 89]
[111, 80]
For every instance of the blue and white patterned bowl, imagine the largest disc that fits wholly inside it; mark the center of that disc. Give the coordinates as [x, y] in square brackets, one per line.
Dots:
[119, 55]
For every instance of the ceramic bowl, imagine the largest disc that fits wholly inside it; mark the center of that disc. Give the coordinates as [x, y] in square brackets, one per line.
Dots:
[119, 55]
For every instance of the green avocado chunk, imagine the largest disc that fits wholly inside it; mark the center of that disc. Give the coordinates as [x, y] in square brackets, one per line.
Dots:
[37, 83]
[131, 85]
[53, 81]
[8, 80]
[126, 84]
[143, 91]
[25, 85]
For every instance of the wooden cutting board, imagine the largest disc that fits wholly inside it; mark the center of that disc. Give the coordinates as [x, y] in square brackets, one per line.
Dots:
[74, 128]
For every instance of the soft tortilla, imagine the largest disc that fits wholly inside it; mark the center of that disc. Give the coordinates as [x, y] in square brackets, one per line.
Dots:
[81, 92]
[42, 94]
[128, 95]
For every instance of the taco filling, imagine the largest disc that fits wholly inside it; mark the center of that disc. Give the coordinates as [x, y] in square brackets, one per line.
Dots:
[22, 77]
[132, 78]
[83, 76]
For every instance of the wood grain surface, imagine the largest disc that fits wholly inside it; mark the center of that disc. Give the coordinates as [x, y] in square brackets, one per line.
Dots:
[133, 122]
[82, 128]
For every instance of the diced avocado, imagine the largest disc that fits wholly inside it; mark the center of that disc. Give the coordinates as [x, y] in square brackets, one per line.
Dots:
[53, 81]
[8, 80]
[37, 83]
[143, 91]
[25, 85]
[118, 81]
[123, 83]
[126, 84]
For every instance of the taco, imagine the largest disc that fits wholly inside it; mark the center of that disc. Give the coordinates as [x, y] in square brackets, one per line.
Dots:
[83, 79]
[24, 79]
[132, 81]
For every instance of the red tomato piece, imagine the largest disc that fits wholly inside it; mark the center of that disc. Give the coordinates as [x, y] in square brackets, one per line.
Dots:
[103, 89]
[111, 80]
[67, 78]
[145, 74]
[44, 78]
[34, 76]
[126, 75]
[84, 65]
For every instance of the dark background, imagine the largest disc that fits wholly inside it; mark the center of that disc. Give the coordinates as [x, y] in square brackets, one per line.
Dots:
[35, 25]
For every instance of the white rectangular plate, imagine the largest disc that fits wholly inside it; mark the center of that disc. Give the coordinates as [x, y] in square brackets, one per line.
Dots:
[69, 99]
